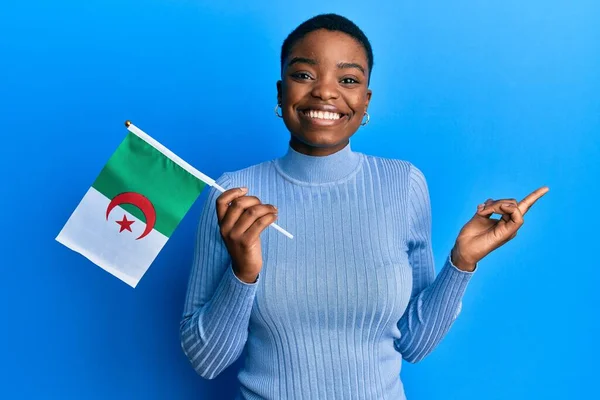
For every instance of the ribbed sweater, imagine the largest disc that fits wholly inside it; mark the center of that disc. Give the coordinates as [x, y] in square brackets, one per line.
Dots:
[336, 309]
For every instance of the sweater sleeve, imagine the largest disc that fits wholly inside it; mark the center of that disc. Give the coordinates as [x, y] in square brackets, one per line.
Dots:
[214, 326]
[435, 303]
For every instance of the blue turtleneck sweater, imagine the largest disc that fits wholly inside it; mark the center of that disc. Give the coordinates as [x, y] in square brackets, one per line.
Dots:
[336, 309]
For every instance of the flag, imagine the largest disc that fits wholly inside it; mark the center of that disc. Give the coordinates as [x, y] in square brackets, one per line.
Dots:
[133, 207]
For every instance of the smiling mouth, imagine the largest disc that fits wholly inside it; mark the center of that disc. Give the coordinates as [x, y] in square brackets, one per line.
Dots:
[322, 115]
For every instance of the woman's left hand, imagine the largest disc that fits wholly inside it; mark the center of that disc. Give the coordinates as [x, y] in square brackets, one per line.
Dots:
[482, 234]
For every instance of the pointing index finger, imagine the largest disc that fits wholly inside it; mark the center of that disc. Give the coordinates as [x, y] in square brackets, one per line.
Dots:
[530, 199]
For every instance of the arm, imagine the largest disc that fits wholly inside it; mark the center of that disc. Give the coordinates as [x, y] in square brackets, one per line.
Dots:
[214, 327]
[435, 303]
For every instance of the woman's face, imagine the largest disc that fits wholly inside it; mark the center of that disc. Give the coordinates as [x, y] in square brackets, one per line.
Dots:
[323, 92]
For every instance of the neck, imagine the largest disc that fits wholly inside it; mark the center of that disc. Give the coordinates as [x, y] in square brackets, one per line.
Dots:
[304, 148]
[314, 170]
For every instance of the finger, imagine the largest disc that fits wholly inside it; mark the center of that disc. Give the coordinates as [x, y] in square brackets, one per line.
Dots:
[235, 209]
[516, 217]
[511, 200]
[492, 201]
[486, 209]
[495, 208]
[250, 215]
[227, 197]
[259, 225]
[506, 217]
[529, 200]
[481, 207]
[485, 204]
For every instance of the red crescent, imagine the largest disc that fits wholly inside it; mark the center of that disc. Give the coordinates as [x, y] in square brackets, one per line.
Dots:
[140, 202]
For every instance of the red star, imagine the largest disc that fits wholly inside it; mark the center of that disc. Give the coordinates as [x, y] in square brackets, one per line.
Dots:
[125, 224]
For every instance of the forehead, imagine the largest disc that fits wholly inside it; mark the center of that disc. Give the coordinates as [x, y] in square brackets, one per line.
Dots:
[324, 46]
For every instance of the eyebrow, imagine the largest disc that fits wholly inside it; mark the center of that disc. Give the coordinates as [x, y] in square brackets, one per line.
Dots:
[351, 65]
[310, 61]
[304, 60]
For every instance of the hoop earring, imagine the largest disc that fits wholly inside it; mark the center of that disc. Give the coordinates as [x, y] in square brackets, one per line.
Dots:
[276, 113]
[368, 119]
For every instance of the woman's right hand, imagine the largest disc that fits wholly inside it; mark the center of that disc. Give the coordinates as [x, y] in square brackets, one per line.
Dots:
[241, 220]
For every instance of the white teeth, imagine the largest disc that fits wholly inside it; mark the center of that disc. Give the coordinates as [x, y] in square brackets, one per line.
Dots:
[323, 114]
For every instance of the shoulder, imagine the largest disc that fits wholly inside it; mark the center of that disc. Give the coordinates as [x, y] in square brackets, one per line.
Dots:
[246, 175]
[395, 168]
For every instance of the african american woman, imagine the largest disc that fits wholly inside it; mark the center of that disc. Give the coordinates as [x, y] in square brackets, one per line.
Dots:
[331, 313]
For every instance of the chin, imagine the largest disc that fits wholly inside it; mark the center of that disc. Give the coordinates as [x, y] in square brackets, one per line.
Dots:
[320, 138]
[317, 133]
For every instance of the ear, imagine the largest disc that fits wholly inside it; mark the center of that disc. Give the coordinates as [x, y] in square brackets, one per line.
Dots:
[369, 93]
[279, 96]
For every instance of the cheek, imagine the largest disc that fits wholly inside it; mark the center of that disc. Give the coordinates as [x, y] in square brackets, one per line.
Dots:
[357, 101]
[292, 92]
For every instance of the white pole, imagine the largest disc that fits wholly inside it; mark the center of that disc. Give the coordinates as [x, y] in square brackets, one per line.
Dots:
[177, 160]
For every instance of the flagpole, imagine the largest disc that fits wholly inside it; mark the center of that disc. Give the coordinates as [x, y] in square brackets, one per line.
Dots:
[183, 164]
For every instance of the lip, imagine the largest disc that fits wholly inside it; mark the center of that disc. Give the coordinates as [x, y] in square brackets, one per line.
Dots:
[322, 122]
[323, 107]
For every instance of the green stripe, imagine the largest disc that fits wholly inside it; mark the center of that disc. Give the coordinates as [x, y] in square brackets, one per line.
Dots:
[138, 167]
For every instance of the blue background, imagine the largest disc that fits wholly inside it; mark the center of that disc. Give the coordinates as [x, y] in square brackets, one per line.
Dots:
[489, 99]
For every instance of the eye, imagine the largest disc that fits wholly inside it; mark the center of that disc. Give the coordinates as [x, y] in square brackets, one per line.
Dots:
[349, 81]
[301, 75]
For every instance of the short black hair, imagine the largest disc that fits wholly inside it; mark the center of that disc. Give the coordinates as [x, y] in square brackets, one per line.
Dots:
[330, 22]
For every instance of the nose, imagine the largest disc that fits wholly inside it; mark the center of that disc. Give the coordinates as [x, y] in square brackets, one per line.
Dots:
[325, 89]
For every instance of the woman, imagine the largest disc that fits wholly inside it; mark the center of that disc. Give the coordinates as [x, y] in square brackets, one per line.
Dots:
[331, 313]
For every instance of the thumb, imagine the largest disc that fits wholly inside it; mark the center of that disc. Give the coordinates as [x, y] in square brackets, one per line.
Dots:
[484, 212]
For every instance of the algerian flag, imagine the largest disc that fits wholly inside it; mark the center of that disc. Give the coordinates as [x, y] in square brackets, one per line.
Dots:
[133, 207]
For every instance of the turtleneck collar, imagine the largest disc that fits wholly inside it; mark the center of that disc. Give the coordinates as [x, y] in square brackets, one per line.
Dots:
[305, 169]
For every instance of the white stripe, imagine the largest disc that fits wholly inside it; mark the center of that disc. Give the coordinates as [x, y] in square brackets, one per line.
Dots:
[90, 234]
